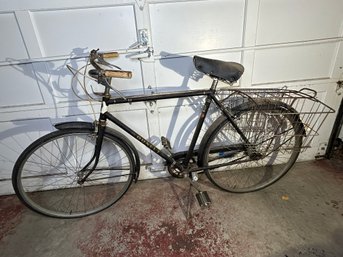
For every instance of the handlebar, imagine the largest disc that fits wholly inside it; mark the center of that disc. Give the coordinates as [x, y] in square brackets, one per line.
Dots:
[118, 74]
[96, 59]
[109, 55]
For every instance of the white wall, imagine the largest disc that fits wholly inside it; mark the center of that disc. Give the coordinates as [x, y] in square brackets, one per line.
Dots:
[295, 43]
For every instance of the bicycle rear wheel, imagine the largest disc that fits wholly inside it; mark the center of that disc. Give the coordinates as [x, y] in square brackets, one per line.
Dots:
[45, 177]
[275, 134]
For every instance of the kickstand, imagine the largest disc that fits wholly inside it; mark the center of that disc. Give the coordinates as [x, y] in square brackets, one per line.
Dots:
[202, 196]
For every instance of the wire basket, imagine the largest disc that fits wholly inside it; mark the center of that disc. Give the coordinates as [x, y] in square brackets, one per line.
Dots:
[303, 103]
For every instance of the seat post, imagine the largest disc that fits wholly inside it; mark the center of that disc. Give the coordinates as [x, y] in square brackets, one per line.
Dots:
[214, 84]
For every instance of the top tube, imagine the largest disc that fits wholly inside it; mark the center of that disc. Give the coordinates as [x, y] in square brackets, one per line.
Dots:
[159, 96]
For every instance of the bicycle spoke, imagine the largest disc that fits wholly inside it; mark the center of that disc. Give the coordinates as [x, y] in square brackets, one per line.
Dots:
[50, 174]
[273, 148]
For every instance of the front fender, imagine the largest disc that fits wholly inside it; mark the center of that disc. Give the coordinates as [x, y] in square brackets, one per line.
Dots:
[75, 125]
[111, 132]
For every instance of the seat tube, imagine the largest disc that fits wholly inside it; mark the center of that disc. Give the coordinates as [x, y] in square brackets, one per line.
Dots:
[200, 122]
[214, 84]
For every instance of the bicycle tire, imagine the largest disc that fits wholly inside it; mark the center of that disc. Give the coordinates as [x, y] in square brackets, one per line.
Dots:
[45, 175]
[274, 130]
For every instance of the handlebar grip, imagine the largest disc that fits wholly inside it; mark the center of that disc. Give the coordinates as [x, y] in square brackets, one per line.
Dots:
[118, 74]
[110, 55]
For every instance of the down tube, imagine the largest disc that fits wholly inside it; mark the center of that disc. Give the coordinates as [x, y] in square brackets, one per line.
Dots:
[138, 137]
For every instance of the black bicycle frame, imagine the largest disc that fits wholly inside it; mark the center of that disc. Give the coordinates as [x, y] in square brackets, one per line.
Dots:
[210, 97]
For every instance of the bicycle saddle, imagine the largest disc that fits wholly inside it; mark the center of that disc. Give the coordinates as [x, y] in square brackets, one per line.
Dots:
[227, 71]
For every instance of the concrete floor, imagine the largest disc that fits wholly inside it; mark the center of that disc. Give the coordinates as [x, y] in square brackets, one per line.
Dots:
[301, 215]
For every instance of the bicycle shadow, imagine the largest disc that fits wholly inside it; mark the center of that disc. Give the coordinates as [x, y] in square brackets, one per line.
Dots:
[16, 134]
[51, 76]
[182, 66]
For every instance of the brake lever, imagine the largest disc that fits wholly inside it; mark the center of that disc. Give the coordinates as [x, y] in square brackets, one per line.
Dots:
[93, 56]
[103, 62]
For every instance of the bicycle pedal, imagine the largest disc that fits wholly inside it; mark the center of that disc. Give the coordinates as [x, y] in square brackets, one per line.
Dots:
[165, 142]
[203, 199]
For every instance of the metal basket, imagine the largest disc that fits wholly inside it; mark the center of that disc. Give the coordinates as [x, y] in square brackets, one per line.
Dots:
[303, 103]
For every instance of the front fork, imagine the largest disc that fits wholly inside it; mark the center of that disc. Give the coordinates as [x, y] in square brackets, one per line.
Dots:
[95, 158]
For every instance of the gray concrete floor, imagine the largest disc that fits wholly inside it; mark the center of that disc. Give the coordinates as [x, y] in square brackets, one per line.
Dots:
[300, 215]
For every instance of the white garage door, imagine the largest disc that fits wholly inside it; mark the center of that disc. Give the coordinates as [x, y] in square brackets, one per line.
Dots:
[294, 43]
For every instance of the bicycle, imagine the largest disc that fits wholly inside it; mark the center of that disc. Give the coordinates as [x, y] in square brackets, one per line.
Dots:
[83, 168]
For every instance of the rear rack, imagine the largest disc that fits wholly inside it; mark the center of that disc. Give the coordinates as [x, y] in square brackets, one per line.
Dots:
[312, 112]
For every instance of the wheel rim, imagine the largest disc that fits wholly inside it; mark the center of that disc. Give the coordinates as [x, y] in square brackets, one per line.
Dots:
[273, 136]
[47, 178]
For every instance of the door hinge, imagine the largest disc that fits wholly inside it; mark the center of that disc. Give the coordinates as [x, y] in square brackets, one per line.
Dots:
[141, 4]
[151, 106]
[142, 48]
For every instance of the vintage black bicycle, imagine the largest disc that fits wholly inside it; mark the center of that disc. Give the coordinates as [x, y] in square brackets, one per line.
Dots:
[83, 168]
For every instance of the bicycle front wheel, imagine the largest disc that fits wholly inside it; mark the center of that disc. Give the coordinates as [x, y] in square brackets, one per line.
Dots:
[46, 175]
[275, 136]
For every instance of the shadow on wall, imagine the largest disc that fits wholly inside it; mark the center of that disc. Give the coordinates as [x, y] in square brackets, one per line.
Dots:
[183, 66]
[15, 137]
[50, 78]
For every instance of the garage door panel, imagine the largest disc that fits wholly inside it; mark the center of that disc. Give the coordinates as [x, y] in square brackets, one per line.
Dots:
[60, 32]
[293, 63]
[197, 25]
[297, 20]
[19, 86]
[12, 46]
